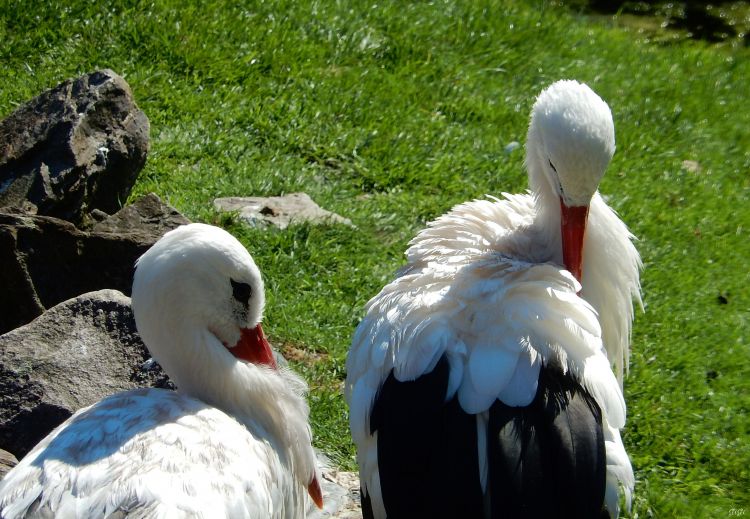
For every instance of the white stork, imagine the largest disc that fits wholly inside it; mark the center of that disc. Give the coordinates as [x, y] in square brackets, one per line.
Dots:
[479, 380]
[232, 441]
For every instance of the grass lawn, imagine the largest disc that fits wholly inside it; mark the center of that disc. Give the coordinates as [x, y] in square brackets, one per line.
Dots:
[390, 113]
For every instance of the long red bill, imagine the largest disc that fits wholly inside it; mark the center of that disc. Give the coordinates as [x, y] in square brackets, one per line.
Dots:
[253, 347]
[573, 229]
[315, 493]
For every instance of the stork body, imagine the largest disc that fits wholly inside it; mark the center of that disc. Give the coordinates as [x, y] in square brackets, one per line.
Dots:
[232, 441]
[480, 381]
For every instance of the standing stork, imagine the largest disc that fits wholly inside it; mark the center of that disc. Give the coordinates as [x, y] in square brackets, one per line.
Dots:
[232, 441]
[479, 380]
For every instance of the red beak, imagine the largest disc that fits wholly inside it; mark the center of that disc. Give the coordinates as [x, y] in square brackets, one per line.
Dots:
[315, 493]
[253, 347]
[573, 229]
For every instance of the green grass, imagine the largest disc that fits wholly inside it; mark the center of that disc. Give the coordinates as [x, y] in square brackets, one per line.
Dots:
[389, 114]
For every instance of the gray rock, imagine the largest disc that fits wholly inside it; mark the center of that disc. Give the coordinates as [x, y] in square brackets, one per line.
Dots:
[7, 462]
[47, 260]
[73, 149]
[278, 210]
[148, 216]
[72, 356]
[341, 498]
[340, 492]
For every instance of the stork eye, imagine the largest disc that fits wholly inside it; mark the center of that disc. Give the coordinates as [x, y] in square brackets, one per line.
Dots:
[241, 292]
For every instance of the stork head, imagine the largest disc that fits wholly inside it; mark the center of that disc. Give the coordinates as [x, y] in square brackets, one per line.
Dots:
[199, 277]
[197, 294]
[570, 143]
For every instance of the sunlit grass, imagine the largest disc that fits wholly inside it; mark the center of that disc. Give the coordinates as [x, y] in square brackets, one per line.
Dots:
[389, 114]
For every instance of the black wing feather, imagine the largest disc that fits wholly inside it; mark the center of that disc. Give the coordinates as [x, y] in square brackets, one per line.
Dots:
[545, 460]
[548, 459]
[427, 449]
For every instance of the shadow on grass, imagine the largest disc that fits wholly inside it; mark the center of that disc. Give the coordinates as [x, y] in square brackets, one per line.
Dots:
[714, 22]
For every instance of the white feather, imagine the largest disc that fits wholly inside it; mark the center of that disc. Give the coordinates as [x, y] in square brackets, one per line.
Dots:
[492, 365]
[456, 363]
[429, 339]
[362, 395]
[521, 388]
[599, 380]
[484, 467]
[619, 471]
[471, 399]
[170, 454]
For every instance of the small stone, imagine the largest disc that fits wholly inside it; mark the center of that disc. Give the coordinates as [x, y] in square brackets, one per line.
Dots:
[691, 165]
[278, 210]
[512, 146]
[341, 498]
[7, 462]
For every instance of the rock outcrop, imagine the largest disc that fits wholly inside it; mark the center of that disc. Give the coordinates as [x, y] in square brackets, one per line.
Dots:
[73, 149]
[72, 356]
[47, 260]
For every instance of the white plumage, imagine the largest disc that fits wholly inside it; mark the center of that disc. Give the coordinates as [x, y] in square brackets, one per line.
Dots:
[232, 441]
[486, 287]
